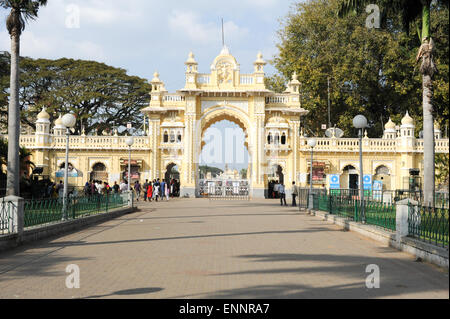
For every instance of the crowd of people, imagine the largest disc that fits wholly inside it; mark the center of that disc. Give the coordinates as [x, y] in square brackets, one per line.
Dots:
[157, 190]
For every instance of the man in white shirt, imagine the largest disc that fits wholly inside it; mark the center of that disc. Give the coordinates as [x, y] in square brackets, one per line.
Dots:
[123, 187]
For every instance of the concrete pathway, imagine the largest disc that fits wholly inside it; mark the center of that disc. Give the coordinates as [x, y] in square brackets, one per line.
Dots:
[196, 248]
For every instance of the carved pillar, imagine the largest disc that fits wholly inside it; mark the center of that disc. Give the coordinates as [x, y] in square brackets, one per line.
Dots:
[258, 155]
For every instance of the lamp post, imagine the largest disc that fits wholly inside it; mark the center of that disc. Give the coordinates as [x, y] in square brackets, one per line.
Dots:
[129, 141]
[69, 121]
[311, 143]
[360, 122]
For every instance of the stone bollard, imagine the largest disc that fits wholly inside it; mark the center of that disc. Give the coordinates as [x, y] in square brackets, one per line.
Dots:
[15, 206]
[402, 215]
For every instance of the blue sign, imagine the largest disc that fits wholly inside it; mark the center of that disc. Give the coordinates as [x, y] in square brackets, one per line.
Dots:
[334, 182]
[367, 182]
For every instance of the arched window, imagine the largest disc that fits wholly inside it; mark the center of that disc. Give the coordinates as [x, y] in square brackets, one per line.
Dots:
[382, 170]
[277, 139]
[283, 139]
[179, 137]
[172, 137]
[166, 137]
[270, 138]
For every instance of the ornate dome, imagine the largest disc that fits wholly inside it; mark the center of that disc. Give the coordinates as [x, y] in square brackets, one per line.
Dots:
[156, 77]
[43, 115]
[191, 59]
[389, 125]
[407, 120]
[59, 123]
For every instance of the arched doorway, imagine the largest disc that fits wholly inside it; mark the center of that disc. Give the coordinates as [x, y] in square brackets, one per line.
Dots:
[99, 173]
[225, 159]
[172, 172]
[383, 174]
[350, 178]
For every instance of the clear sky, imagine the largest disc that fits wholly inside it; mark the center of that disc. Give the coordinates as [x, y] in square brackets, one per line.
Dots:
[144, 36]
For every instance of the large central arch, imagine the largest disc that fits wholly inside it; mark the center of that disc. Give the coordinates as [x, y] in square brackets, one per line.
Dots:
[220, 113]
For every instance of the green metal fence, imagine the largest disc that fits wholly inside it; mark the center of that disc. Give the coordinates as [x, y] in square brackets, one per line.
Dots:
[39, 212]
[429, 224]
[380, 214]
[376, 213]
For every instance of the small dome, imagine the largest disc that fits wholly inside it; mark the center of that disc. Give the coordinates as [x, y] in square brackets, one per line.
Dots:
[59, 123]
[43, 115]
[259, 59]
[407, 120]
[156, 77]
[390, 125]
[191, 59]
[295, 78]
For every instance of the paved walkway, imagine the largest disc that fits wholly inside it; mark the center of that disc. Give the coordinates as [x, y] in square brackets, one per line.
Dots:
[192, 248]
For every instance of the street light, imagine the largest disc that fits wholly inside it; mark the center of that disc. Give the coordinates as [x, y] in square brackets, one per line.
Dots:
[129, 141]
[69, 121]
[360, 122]
[311, 143]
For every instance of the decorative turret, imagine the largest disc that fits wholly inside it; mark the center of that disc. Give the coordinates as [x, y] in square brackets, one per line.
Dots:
[293, 85]
[43, 128]
[191, 72]
[259, 63]
[59, 128]
[156, 82]
[389, 130]
[158, 90]
[407, 133]
[408, 127]
[192, 65]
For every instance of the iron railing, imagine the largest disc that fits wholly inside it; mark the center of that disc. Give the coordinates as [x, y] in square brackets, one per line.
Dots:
[45, 211]
[349, 207]
[429, 224]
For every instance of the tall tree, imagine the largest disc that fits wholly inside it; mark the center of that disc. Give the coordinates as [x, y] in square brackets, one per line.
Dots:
[100, 96]
[411, 11]
[21, 12]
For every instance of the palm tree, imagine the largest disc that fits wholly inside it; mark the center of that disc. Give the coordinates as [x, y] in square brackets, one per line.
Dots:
[21, 12]
[410, 11]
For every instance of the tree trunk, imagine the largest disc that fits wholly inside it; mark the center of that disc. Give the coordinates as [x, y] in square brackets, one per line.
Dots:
[428, 142]
[427, 69]
[13, 179]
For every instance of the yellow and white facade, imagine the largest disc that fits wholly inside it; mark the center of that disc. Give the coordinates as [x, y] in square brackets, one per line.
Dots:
[271, 123]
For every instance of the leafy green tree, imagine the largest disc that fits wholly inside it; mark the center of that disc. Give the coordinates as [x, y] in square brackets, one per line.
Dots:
[442, 171]
[370, 70]
[20, 12]
[413, 12]
[100, 96]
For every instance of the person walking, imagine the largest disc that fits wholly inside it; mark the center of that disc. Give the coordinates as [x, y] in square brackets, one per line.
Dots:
[276, 190]
[149, 191]
[282, 194]
[116, 188]
[163, 190]
[167, 192]
[294, 194]
[137, 189]
[145, 187]
[156, 191]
